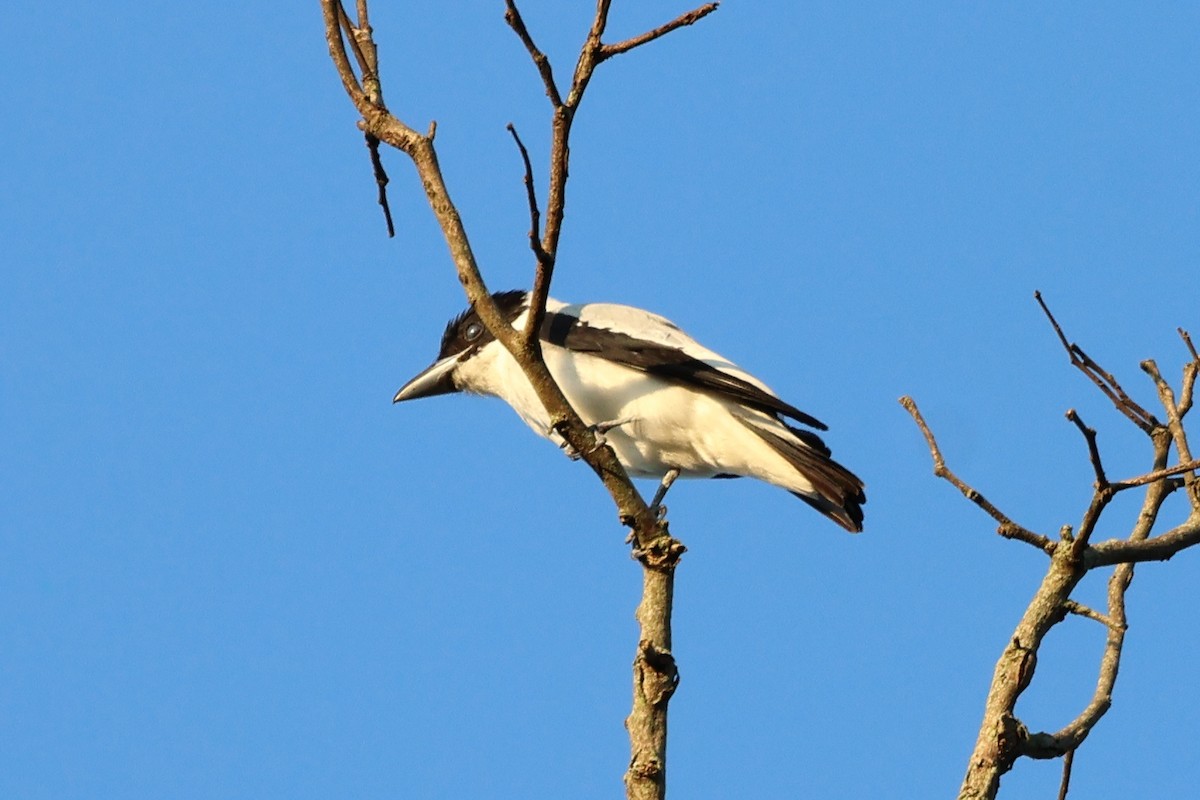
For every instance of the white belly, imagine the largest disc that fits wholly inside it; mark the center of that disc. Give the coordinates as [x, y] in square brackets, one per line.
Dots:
[669, 426]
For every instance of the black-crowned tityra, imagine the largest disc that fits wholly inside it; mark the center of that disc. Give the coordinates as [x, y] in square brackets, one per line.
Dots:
[667, 405]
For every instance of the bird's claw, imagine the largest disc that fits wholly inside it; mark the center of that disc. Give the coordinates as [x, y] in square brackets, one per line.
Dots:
[570, 451]
[598, 430]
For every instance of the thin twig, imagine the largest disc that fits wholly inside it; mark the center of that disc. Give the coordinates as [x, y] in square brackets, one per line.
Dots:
[381, 179]
[1081, 610]
[1187, 340]
[1190, 371]
[333, 13]
[364, 66]
[1097, 375]
[513, 17]
[695, 15]
[1174, 420]
[1093, 451]
[1065, 784]
[1158, 475]
[545, 262]
[1008, 528]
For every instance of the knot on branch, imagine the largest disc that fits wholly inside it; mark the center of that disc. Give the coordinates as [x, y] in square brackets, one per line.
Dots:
[648, 768]
[658, 550]
[1011, 737]
[1023, 662]
[657, 673]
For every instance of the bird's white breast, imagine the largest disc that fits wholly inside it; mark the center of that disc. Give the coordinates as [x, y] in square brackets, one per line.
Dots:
[670, 425]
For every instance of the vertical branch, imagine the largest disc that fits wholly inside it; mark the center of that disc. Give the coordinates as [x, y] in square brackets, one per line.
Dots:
[654, 668]
[655, 675]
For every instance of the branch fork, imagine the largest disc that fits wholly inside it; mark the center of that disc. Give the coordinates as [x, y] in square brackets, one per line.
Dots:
[1003, 738]
[653, 546]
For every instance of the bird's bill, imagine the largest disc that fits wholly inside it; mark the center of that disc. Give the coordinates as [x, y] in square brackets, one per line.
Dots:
[437, 378]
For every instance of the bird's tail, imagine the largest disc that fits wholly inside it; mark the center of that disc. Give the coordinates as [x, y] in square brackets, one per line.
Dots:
[832, 489]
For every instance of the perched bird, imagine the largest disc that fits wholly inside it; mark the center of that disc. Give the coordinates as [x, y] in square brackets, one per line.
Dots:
[667, 405]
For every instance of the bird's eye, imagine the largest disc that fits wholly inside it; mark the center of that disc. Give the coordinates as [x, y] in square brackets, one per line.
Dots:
[472, 331]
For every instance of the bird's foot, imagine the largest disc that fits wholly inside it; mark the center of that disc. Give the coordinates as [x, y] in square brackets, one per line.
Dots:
[598, 430]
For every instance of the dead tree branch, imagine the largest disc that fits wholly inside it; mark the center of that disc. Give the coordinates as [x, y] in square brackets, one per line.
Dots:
[1003, 738]
[691, 17]
[1103, 380]
[1008, 529]
[655, 674]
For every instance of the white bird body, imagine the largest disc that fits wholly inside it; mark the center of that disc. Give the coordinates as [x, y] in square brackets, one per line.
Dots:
[677, 404]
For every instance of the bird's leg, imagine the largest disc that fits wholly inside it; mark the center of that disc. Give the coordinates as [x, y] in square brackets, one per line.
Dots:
[598, 430]
[656, 504]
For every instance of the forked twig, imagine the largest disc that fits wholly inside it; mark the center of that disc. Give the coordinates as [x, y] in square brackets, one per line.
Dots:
[1097, 375]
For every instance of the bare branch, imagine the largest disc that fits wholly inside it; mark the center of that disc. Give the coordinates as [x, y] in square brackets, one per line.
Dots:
[364, 66]
[334, 13]
[513, 17]
[1093, 452]
[1160, 548]
[1003, 738]
[1068, 739]
[1084, 611]
[381, 180]
[1103, 380]
[1091, 517]
[695, 15]
[1174, 419]
[1190, 371]
[1008, 528]
[1065, 784]
[1187, 340]
[1157, 475]
[545, 262]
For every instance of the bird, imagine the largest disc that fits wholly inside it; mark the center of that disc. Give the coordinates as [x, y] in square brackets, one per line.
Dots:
[668, 406]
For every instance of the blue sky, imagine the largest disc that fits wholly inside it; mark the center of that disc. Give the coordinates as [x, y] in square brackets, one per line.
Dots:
[233, 569]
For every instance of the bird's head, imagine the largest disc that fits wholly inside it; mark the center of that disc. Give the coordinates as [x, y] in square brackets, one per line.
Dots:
[464, 340]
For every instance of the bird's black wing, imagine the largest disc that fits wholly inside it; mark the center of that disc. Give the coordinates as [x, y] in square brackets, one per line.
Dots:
[670, 363]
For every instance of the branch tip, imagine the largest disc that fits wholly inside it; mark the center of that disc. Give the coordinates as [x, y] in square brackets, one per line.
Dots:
[513, 17]
[1187, 340]
[607, 51]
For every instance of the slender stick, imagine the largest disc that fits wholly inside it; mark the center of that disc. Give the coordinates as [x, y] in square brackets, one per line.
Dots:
[1065, 784]
[1008, 528]
[687, 18]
